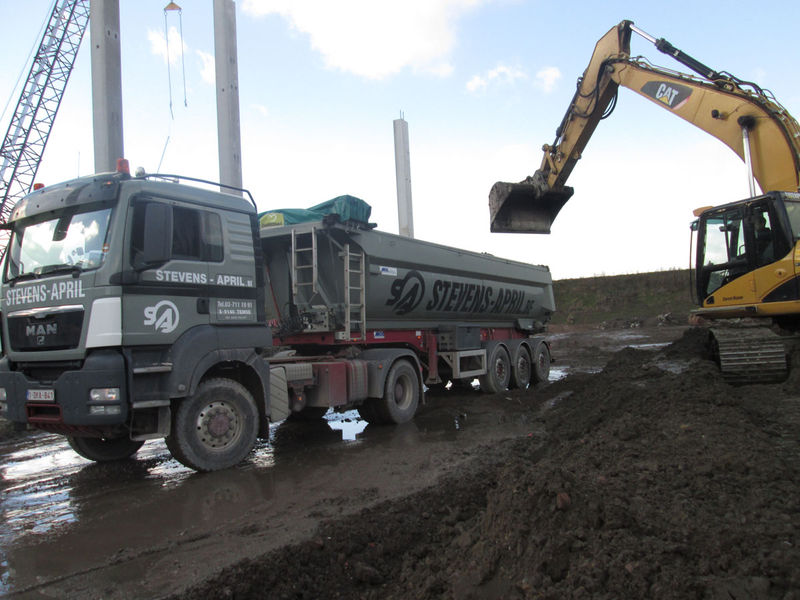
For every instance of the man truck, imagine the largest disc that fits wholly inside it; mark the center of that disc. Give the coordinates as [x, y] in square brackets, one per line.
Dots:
[136, 308]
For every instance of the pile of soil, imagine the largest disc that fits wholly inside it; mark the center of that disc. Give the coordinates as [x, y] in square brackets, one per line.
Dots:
[654, 478]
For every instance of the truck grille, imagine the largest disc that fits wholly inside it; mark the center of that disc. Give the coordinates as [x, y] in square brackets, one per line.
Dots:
[43, 329]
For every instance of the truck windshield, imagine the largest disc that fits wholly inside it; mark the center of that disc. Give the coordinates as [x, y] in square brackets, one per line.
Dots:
[69, 242]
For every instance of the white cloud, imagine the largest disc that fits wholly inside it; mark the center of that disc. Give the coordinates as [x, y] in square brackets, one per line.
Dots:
[547, 77]
[158, 45]
[476, 83]
[501, 74]
[208, 69]
[374, 39]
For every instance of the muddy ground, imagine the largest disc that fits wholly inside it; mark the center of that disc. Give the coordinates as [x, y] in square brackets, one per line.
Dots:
[640, 473]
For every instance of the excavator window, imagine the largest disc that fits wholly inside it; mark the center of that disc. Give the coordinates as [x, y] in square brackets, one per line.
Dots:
[793, 211]
[723, 251]
[763, 237]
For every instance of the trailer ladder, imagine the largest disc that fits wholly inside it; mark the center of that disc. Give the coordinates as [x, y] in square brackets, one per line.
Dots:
[304, 262]
[354, 289]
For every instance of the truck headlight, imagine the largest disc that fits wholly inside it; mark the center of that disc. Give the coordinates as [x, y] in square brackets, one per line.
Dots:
[104, 395]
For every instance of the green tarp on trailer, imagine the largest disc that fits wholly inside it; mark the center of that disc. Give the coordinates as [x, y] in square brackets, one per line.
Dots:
[347, 208]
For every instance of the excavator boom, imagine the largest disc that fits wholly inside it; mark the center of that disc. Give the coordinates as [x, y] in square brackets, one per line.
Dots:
[740, 114]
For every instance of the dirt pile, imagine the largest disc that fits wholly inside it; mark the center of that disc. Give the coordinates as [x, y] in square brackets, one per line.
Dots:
[653, 478]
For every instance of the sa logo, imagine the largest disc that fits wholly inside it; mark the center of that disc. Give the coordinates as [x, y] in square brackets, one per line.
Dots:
[163, 316]
[407, 293]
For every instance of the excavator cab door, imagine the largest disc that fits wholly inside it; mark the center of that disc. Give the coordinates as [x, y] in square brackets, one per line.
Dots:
[721, 250]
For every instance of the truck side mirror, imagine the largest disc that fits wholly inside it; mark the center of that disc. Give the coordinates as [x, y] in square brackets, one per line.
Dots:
[157, 234]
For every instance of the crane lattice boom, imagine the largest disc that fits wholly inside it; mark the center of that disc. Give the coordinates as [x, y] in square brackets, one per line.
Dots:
[30, 126]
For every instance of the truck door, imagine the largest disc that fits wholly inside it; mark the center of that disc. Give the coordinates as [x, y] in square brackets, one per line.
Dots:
[168, 296]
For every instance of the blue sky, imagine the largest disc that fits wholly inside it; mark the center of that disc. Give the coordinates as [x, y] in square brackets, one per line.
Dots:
[482, 83]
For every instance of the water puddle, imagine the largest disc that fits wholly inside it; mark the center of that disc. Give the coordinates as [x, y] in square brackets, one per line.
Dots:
[349, 423]
[651, 346]
[560, 372]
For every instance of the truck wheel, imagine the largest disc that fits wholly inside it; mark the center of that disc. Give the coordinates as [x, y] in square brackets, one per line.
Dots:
[102, 449]
[215, 428]
[369, 412]
[400, 394]
[498, 371]
[521, 372]
[541, 363]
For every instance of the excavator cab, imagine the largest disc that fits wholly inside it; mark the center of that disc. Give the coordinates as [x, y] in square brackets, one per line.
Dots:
[755, 236]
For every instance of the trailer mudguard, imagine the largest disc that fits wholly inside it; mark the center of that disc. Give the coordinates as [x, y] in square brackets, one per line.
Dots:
[379, 361]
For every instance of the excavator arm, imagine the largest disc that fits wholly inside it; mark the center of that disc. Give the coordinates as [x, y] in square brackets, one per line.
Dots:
[740, 114]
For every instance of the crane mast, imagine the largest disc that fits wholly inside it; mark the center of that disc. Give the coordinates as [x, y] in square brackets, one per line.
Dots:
[26, 138]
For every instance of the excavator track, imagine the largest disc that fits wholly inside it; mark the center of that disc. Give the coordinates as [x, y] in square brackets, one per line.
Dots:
[749, 355]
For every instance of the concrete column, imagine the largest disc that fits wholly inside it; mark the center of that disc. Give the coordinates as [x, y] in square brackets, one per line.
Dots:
[402, 164]
[106, 84]
[227, 75]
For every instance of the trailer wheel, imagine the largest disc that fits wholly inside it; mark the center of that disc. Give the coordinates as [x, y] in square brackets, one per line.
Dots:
[521, 371]
[400, 394]
[102, 449]
[541, 363]
[498, 371]
[215, 428]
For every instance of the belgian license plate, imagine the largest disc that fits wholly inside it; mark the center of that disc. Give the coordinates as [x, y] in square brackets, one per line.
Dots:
[42, 395]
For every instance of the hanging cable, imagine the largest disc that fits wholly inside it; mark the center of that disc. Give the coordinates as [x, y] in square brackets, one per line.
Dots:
[169, 69]
[183, 65]
[172, 7]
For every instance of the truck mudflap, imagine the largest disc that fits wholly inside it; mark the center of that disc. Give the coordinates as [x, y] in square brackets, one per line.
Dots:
[90, 397]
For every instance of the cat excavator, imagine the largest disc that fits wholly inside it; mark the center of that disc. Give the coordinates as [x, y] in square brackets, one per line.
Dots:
[747, 258]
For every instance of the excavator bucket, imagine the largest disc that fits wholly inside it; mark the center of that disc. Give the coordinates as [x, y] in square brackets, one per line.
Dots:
[525, 207]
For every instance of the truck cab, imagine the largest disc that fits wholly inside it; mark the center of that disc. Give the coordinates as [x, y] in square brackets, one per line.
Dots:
[124, 301]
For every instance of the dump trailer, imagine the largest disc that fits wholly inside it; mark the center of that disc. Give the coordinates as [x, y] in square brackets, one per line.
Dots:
[136, 308]
[444, 314]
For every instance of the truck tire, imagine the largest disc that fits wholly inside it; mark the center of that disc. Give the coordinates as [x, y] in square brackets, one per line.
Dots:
[521, 369]
[498, 371]
[215, 428]
[102, 449]
[400, 394]
[541, 363]
[370, 413]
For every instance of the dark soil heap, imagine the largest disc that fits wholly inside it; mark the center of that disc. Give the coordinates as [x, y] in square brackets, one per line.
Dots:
[652, 479]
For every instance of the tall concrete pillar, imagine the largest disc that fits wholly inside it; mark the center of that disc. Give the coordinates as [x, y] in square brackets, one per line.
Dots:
[106, 84]
[227, 75]
[402, 164]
